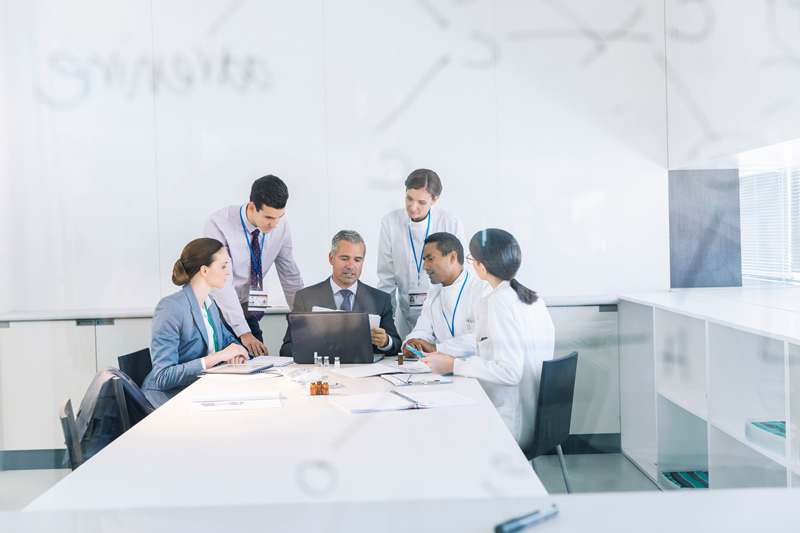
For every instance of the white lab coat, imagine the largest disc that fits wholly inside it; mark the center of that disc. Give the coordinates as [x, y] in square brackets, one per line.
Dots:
[513, 340]
[396, 267]
[432, 326]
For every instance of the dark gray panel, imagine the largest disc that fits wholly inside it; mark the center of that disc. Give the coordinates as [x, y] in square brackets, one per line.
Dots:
[704, 228]
[32, 459]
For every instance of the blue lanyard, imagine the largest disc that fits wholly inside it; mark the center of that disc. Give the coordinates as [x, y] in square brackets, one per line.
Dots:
[453, 327]
[414, 250]
[213, 333]
[250, 246]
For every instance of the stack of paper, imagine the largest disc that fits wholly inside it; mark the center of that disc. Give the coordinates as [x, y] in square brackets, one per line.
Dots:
[274, 360]
[235, 400]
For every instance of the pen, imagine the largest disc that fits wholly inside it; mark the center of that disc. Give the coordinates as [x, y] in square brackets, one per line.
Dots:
[403, 396]
[214, 404]
[523, 522]
[414, 351]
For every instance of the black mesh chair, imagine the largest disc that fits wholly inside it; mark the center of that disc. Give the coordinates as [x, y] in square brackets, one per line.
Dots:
[136, 365]
[554, 409]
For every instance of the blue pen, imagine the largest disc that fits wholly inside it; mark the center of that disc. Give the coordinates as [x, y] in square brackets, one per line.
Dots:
[523, 522]
[414, 351]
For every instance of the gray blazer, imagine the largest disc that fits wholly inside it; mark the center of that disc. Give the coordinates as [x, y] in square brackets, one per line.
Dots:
[179, 342]
[368, 300]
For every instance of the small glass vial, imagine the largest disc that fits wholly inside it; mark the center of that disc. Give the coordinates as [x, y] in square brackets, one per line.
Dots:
[336, 362]
[325, 362]
[312, 388]
[400, 358]
[317, 360]
[325, 388]
[319, 388]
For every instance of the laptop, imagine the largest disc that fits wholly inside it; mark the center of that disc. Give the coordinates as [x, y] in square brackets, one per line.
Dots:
[341, 334]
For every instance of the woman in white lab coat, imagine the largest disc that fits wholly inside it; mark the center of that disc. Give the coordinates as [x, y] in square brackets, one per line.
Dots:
[403, 234]
[514, 332]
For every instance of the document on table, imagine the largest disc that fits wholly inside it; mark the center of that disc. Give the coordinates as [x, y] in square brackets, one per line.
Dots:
[393, 401]
[399, 380]
[274, 360]
[234, 401]
[376, 369]
[374, 320]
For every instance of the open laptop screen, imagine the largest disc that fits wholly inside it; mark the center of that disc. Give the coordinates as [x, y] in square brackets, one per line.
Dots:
[339, 334]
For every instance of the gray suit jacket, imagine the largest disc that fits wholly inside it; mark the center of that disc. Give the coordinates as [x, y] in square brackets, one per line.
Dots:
[368, 300]
[179, 342]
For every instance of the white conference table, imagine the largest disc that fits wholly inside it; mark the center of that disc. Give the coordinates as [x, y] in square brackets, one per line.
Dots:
[308, 450]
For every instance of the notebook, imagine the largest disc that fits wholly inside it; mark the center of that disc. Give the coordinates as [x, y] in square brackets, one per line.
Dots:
[244, 368]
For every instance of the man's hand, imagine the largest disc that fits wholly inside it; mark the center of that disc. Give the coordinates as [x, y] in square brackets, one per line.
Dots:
[379, 337]
[253, 345]
[419, 344]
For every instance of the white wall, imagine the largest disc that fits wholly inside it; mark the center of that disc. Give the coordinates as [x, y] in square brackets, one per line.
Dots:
[6, 261]
[733, 77]
[131, 126]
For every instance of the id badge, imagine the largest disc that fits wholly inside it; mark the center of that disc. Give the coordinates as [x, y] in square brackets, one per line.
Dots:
[416, 299]
[257, 301]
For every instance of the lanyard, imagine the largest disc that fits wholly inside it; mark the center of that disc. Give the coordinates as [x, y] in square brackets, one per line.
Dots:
[250, 246]
[414, 250]
[453, 327]
[213, 334]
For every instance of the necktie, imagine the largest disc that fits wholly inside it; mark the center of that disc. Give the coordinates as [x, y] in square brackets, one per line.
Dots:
[346, 300]
[256, 282]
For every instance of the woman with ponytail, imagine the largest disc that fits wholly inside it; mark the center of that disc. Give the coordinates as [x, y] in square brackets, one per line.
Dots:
[188, 335]
[514, 333]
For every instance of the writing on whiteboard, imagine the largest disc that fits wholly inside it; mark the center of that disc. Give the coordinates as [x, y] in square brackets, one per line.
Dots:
[68, 79]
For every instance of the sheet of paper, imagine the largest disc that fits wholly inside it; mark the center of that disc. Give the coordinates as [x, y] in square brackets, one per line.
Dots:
[230, 401]
[413, 367]
[399, 380]
[371, 403]
[448, 398]
[238, 377]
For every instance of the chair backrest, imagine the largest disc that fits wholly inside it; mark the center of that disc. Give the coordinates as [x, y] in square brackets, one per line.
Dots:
[67, 417]
[119, 393]
[136, 365]
[554, 407]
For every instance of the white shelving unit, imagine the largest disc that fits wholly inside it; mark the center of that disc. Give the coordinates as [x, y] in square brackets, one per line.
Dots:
[694, 366]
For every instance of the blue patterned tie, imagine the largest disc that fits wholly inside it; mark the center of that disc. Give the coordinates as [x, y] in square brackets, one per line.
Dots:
[346, 300]
[256, 281]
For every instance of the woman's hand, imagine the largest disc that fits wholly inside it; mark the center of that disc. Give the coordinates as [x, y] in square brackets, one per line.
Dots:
[439, 363]
[234, 354]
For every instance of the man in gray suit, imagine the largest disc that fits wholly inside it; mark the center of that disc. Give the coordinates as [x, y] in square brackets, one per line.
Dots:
[343, 291]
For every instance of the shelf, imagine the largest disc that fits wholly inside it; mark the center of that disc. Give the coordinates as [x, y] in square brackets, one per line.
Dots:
[735, 429]
[645, 460]
[693, 401]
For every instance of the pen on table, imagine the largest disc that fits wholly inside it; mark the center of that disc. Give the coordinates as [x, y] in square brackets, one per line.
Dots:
[403, 396]
[214, 404]
[523, 522]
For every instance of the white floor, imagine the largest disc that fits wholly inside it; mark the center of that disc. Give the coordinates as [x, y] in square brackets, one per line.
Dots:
[608, 472]
[601, 472]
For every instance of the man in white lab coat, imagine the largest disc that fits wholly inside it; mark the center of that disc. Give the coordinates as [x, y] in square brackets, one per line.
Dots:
[447, 323]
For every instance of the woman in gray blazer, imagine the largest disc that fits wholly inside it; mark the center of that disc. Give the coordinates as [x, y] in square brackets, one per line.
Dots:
[188, 335]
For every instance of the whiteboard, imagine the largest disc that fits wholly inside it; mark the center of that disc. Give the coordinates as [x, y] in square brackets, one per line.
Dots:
[127, 127]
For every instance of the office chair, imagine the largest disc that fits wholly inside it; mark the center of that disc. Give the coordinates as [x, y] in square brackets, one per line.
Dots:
[70, 434]
[554, 409]
[136, 365]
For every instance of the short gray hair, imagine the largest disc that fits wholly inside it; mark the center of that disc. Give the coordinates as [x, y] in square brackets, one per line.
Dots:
[349, 236]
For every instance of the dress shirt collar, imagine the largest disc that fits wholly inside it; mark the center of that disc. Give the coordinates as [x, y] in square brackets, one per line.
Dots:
[353, 288]
[247, 224]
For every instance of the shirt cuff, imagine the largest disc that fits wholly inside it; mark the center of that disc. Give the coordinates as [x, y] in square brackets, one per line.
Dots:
[388, 346]
[203, 362]
[458, 367]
